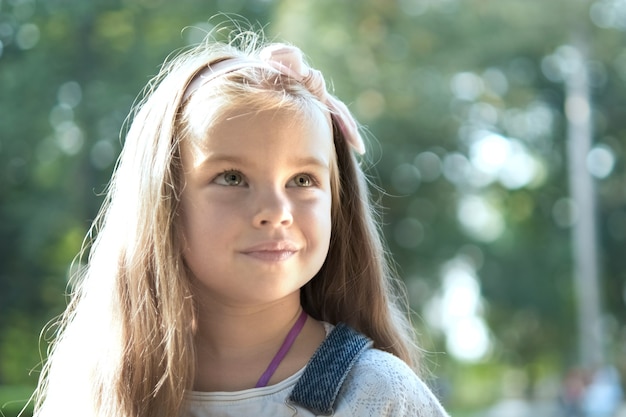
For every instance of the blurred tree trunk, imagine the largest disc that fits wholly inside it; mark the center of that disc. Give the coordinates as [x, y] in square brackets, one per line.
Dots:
[584, 233]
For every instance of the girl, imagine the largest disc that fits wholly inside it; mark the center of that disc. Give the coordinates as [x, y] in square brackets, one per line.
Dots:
[237, 268]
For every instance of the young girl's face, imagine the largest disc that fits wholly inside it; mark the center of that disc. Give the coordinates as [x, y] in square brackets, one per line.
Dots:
[256, 207]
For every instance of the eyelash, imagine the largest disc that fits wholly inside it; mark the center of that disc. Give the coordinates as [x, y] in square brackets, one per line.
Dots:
[311, 180]
[222, 177]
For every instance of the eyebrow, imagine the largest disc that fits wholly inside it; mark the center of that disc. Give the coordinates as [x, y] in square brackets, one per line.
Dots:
[236, 160]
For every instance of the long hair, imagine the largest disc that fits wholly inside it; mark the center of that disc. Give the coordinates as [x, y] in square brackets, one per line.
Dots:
[357, 283]
[124, 347]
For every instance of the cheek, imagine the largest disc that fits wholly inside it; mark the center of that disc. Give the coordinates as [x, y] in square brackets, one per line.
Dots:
[200, 222]
[209, 220]
[323, 231]
[319, 222]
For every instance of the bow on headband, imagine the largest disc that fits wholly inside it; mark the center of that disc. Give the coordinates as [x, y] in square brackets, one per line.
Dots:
[288, 60]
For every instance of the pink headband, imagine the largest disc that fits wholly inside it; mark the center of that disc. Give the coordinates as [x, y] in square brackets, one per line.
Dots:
[288, 61]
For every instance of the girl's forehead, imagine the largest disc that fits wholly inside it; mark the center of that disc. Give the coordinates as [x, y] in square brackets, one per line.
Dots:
[252, 134]
[204, 122]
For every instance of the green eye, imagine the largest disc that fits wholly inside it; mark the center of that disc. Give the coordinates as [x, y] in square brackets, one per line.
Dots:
[303, 180]
[230, 178]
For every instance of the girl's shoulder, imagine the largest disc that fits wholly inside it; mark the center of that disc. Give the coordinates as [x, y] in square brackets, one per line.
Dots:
[382, 384]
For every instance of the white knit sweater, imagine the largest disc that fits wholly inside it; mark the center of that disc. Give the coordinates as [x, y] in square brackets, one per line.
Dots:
[378, 385]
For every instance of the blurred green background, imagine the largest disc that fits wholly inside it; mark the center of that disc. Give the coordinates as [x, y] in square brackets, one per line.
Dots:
[496, 127]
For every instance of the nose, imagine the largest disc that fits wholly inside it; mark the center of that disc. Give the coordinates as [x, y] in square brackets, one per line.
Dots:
[272, 209]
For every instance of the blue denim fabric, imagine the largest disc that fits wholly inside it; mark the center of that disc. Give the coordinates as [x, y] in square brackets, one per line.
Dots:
[319, 385]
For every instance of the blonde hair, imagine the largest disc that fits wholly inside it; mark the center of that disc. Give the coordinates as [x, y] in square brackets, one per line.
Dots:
[124, 346]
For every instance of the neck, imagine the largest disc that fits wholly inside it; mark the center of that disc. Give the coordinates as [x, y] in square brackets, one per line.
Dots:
[234, 346]
[225, 332]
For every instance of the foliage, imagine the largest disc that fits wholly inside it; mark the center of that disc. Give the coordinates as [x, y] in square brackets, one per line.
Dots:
[426, 77]
[431, 79]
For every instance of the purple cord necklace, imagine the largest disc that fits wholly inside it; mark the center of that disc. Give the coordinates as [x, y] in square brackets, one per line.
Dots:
[282, 352]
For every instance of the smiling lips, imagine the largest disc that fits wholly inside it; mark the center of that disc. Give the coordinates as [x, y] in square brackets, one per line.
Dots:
[272, 251]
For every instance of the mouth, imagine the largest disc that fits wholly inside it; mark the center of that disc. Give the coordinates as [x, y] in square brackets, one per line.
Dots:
[271, 255]
[272, 251]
